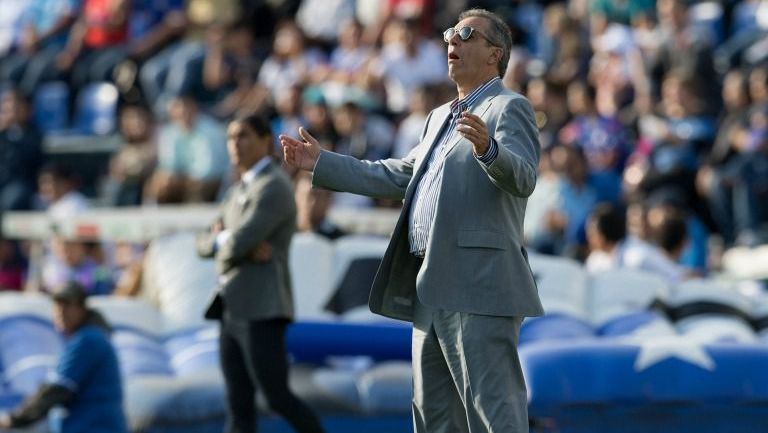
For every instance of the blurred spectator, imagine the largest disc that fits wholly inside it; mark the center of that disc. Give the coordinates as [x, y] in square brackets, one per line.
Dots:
[564, 230]
[614, 245]
[543, 201]
[44, 26]
[97, 42]
[290, 62]
[10, 17]
[694, 255]
[127, 268]
[230, 68]
[622, 11]
[178, 68]
[409, 130]
[407, 61]
[550, 108]
[192, 157]
[683, 46]
[420, 12]
[606, 231]
[21, 153]
[675, 140]
[58, 192]
[317, 115]
[643, 247]
[362, 134]
[13, 265]
[135, 160]
[86, 382]
[312, 206]
[320, 20]
[350, 58]
[288, 113]
[74, 260]
[603, 140]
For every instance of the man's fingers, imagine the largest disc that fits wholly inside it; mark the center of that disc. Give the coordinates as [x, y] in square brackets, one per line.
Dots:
[307, 136]
[287, 140]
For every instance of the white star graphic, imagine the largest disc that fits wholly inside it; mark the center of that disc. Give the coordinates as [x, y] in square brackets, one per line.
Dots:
[658, 348]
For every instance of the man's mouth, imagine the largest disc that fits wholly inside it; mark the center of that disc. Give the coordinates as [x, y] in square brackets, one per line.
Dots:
[452, 56]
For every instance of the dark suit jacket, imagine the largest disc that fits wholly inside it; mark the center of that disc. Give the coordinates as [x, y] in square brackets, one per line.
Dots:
[263, 210]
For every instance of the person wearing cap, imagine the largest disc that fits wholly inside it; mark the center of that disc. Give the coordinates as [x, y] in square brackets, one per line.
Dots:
[87, 382]
[456, 266]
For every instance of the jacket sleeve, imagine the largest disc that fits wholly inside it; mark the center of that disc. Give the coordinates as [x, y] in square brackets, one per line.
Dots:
[37, 406]
[273, 206]
[386, 178]
[517, 137]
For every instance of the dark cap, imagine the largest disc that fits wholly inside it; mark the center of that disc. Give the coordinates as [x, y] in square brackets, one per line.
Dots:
[70, 292]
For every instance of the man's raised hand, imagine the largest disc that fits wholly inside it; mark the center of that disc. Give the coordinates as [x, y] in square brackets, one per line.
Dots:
[301, 154]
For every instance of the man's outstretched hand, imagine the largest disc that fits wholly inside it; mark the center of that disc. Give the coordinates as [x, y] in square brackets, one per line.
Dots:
[301, 154]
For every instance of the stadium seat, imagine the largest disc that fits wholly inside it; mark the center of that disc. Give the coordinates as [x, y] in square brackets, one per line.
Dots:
[617, 292]
[311, 265]
[356, 260]
[562, 285]
[645, 323]
[96, 111]
[51, 106]
[24, 303]
[194, 351]
[132, 313]
[29, 349]
[140, 354]
[178, 282]
[554, 326]
[711, 311]
[386, 388]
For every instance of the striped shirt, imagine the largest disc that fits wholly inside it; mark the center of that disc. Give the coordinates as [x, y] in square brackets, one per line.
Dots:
[424, 207]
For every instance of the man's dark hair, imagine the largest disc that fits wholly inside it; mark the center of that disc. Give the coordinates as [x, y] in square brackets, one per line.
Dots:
[610, 221]
[257, 123]
[671, 233]
[498, 33]
[59, 171]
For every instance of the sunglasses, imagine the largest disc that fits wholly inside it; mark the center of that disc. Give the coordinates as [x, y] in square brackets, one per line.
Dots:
[465, 33]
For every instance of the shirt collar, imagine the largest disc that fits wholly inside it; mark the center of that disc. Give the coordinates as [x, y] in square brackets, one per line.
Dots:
[460, 105]
[250, 175]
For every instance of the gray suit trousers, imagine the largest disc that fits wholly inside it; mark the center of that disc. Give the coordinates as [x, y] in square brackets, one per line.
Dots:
[466, 373]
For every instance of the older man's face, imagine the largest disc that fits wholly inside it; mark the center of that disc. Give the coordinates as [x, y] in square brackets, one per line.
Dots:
[471, 58]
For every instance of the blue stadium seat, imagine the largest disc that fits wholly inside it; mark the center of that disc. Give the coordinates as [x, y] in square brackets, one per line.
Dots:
[29, 349]
[554, 327]
[51, 106]
[96, 109]
[194, 351]
[140, 353]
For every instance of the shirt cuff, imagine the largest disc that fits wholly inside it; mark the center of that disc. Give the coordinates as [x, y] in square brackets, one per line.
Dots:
[490, 154]
[222, 237]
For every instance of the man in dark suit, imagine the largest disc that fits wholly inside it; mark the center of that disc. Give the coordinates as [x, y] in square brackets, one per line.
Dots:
[250, 241]
[456, 266]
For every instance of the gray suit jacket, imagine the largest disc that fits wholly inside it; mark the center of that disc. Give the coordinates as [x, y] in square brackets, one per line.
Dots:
[264, 210]
[475, 261]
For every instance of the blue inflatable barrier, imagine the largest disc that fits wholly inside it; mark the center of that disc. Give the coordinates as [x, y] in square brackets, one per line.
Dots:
[193, 351]
[313, 342]
[667, 384]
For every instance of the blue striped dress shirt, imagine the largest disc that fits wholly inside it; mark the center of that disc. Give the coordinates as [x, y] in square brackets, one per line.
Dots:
[425, 198]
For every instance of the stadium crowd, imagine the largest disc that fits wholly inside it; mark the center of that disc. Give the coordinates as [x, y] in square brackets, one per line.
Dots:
[653, 114]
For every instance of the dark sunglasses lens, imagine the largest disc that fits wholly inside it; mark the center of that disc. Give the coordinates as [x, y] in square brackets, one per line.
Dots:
[448, 34]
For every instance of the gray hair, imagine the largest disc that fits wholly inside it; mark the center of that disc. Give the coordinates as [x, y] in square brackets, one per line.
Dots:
[498, 33]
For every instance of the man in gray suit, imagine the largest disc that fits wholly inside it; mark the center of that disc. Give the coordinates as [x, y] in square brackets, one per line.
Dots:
[250, 242]
[455, 265]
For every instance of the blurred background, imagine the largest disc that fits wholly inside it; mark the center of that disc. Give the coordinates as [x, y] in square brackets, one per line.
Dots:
[647, 231]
